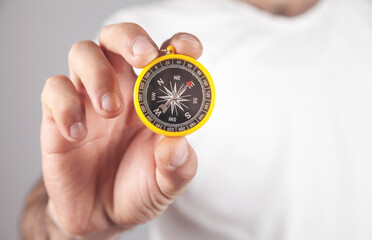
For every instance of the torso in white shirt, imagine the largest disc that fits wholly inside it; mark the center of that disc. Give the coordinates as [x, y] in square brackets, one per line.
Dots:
[287, 153]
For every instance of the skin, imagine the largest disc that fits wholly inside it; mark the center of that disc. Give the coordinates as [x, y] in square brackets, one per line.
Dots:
[103, 169]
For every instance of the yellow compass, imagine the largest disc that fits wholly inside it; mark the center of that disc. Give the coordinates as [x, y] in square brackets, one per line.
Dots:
[174, 95]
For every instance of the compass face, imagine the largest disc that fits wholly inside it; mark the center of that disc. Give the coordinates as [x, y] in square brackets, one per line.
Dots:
[174, 95]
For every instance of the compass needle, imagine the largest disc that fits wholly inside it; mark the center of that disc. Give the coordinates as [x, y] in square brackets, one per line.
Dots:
[182, 86]
[156, 91]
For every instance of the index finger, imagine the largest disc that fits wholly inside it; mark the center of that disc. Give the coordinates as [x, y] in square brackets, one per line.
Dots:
[131, 42]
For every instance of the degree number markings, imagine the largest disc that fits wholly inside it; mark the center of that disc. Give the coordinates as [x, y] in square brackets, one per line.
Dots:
[174, 95]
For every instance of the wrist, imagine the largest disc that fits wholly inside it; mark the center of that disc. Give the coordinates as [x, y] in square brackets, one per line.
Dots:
[57, 233]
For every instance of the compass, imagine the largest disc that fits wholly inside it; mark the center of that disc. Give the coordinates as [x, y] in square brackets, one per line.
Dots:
[174, 95]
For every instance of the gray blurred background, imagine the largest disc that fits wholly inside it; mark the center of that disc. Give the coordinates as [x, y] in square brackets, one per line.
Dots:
[35, 37]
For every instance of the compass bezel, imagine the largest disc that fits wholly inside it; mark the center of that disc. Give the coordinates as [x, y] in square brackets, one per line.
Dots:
[142, 116]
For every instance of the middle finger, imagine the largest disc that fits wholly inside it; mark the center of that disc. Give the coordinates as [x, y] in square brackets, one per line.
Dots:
[92, 73]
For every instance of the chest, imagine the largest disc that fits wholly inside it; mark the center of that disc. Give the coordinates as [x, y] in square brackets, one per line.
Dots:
[289, 137]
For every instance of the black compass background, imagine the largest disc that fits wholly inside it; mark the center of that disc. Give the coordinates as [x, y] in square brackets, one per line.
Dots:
[194, 94]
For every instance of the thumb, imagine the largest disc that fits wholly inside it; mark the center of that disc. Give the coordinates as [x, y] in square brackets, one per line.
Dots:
[176, 165]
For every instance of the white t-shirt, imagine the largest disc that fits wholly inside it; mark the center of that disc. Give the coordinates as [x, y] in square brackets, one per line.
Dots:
[287, 153]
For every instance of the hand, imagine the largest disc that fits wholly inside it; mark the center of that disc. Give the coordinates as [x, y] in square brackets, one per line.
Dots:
[102, 168]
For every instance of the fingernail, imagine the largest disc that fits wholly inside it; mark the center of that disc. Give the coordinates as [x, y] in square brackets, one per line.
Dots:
[142, 46]
[189, 38]
[181, 152]
[78, 131]
[110, 102]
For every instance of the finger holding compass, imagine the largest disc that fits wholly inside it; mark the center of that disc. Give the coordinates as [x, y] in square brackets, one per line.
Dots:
[186, 44]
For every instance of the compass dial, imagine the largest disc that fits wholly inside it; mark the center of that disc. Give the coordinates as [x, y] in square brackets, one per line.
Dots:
[174, 95]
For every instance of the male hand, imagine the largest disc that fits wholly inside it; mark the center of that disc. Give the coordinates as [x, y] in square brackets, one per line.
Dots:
[103, 169]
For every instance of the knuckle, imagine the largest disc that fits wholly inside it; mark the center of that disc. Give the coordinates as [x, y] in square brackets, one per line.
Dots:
[66, 105]
[50, 84]
[128, 26]
[74, 228]
[101, 72]
[121, 28]
[105, 30]
[81, 46]
[55, 80]
[171, 191]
